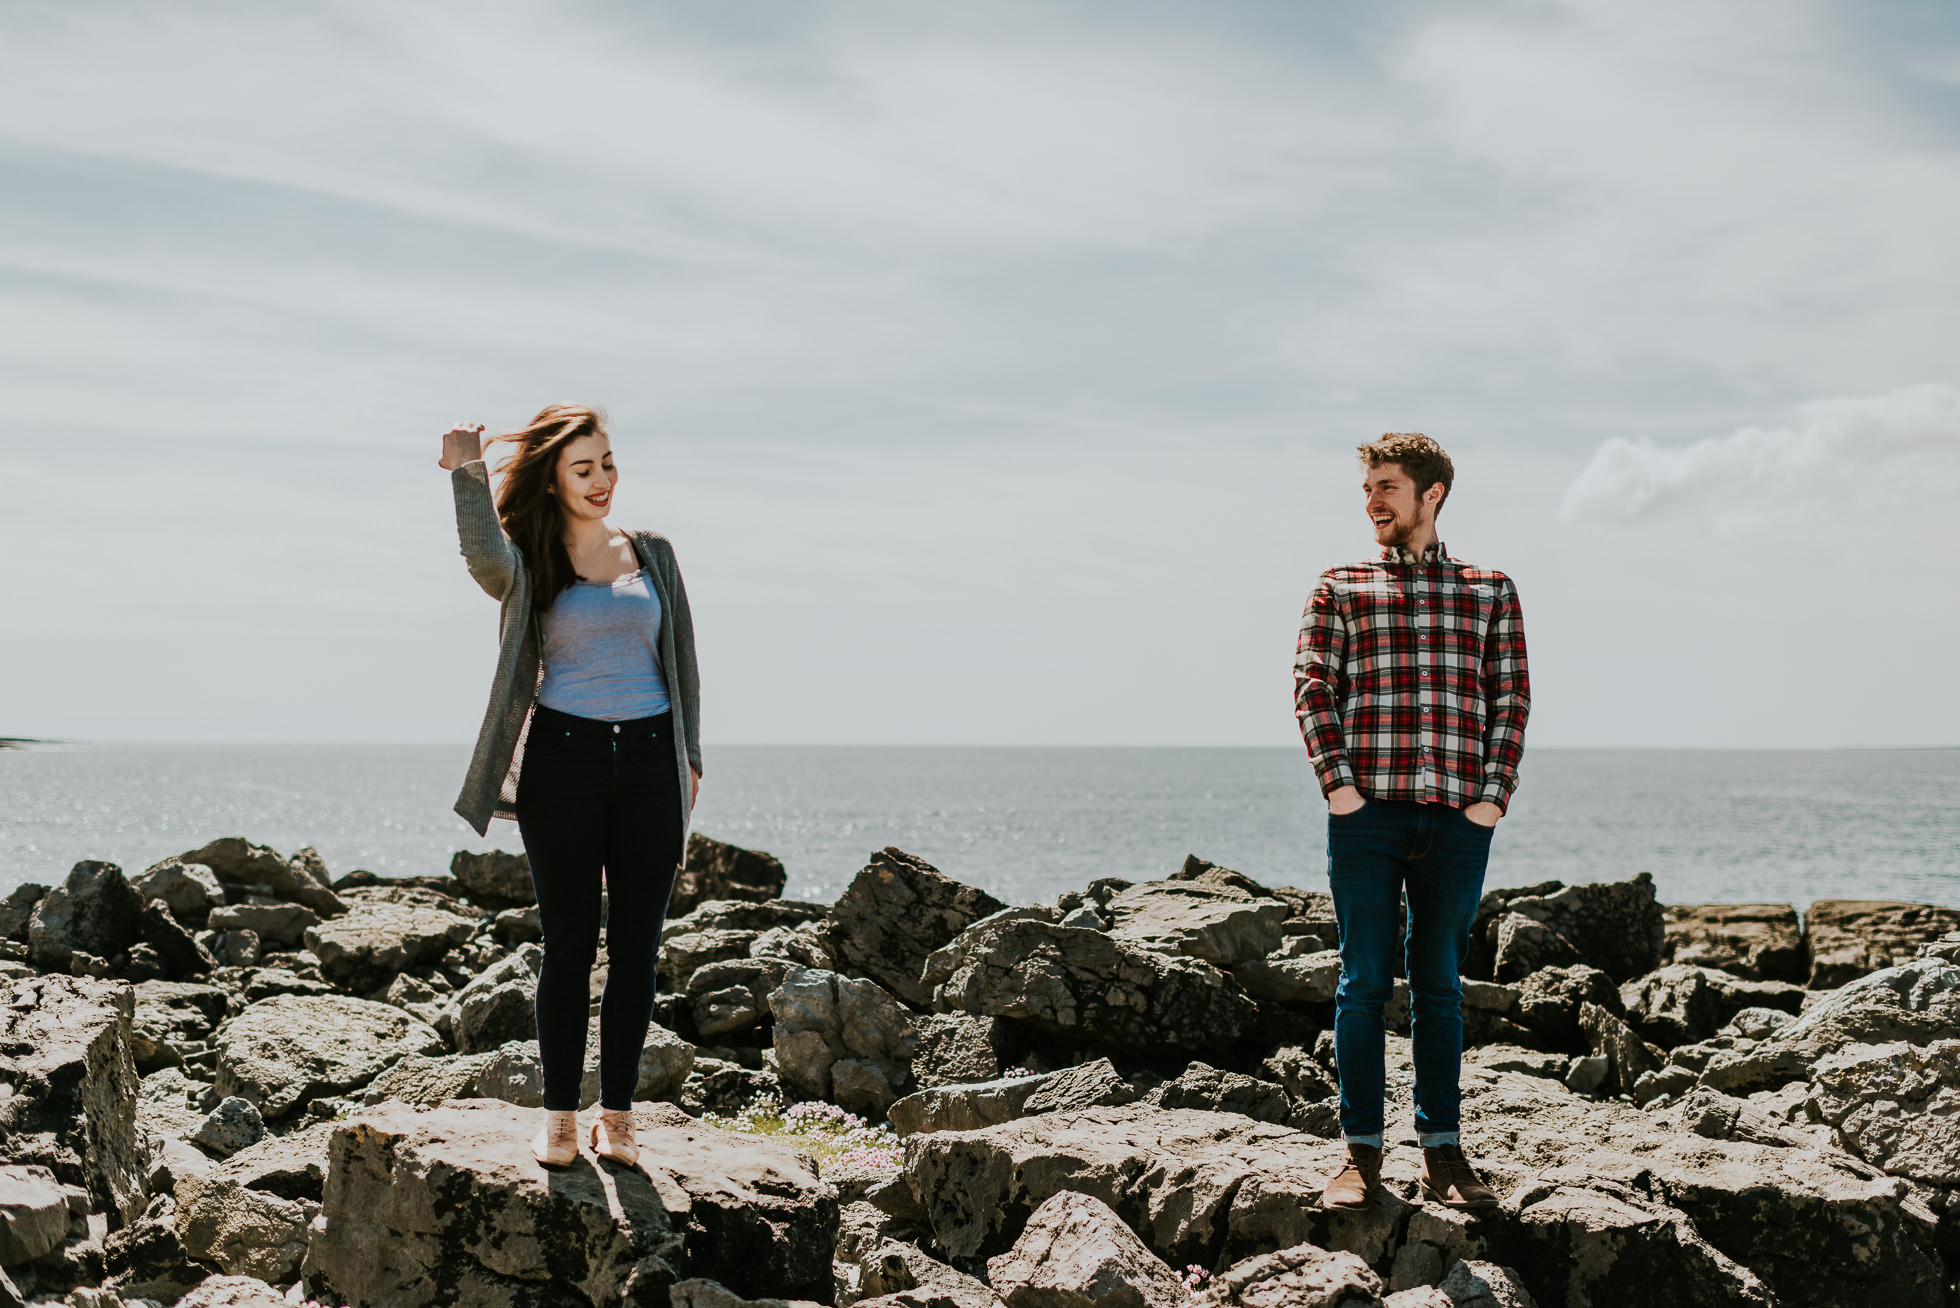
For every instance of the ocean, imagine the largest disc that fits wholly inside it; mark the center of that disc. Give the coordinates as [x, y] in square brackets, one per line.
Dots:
[1025, 824]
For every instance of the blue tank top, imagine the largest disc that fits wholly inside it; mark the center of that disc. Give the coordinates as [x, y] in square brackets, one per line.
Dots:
[602, 650]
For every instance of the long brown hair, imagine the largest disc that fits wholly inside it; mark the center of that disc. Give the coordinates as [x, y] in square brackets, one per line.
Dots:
[532, 516]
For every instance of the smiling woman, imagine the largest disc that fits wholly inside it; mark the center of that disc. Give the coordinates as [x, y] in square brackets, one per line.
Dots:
[590, 741]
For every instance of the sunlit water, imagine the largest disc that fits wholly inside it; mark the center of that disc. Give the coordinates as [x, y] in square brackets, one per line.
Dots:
[1777, 826]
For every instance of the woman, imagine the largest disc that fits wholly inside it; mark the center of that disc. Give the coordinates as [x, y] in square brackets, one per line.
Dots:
[591, 741]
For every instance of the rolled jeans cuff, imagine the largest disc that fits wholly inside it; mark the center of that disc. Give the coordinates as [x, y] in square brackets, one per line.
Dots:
[1437, 1139]
[1372, 1141]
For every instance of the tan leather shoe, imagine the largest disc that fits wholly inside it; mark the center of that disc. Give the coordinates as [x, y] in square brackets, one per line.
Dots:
[556, 1142]
[612, 1137]
[1355, 1184]
[1448, 1179]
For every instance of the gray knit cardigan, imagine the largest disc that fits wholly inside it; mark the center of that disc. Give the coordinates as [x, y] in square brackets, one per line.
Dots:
[490, 787]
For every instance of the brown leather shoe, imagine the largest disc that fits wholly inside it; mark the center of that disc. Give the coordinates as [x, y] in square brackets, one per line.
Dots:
[1354, 1186]
[1448, 1179]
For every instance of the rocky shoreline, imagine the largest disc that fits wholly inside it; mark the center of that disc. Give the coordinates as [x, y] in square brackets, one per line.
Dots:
[235, 1080]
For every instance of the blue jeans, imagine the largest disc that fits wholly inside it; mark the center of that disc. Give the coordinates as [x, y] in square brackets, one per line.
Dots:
[1375, 855]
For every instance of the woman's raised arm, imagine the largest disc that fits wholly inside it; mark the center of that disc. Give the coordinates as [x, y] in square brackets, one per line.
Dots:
[491, 557]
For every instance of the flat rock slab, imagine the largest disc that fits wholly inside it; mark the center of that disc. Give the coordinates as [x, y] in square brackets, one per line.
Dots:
[1220, 924]
[1076, 1253]
[283, 1051]
[376, 941]
[445, 1205]
[1850, 938]
[1759, 942]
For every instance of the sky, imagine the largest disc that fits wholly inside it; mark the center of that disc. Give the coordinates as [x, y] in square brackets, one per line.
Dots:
[996, 370]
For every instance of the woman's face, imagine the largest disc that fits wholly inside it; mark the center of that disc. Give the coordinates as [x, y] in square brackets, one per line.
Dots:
[585, 478]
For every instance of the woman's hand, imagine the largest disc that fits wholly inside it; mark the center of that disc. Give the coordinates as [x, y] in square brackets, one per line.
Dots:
[462, 444]
[694, 791]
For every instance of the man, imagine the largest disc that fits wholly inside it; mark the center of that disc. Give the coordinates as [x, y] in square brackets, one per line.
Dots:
[1411, 692]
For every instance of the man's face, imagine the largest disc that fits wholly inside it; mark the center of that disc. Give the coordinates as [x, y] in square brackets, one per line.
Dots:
[1397, 512]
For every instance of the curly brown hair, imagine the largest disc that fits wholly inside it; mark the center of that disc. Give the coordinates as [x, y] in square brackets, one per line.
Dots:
[1417, 455]
[532, 516]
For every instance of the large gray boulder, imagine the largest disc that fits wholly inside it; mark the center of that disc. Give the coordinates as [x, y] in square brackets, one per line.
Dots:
[17, 910]
[94, 910]
[495, 880]
[446, 1205]
[1088, 985]
[172, 1016]
[499, 1004]
[1310, 978]
[301, 879]
[33, 1213]
[70, 1104]
[896, 912]
[1758, 942]
[1221, 924]
[189, 890]
[1549, 1001]
[732, 996]
[986, 1103]
[1616, 926]
[276, 922]
[250, 1214]
[958, 1048]
[1680, 1004]
[282, 1052]
[1303, 1275]
[1897, 1106]
[716, 870]
[1213, 1090]
[373, 942]
[1850, 938]
[843, 1039]
[177, 950]
[1077, 1253]
[1917, 1002]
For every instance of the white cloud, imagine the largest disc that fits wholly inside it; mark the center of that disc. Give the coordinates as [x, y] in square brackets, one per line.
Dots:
[1845, 451]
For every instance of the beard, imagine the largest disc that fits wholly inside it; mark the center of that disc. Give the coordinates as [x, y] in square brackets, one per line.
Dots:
[1397, 533]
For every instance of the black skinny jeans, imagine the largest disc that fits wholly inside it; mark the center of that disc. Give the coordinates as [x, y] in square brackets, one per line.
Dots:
[598, 796]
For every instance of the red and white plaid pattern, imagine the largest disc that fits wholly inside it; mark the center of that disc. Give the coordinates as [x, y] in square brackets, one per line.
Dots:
[1410, 680]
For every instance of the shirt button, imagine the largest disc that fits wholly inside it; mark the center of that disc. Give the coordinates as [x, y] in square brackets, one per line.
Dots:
[615, 728]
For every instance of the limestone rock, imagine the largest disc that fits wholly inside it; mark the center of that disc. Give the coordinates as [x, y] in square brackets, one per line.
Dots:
[517, 926]
[1616, 926]
[1471, 1283]
[232, 1292]
[698, 1292]
[146, 1259]
[1307, 979]
[1200, 1086]
[94, 910]
[1086, 984]
[1602, 1243]
[715, 870]
[966, 1107]
[1512, 1058]
[1628, 1057]
[1522, 945]
[733, 995]
[275, 922]
[898, 1274]
[17, 910]
[1680, 1004]
[178, 955]
[1218, 923]
[281, 1052]
[1076, 1253]
[445, 1205]
[233, 1125]
[374, 941]
[1759, 942]
[1295, 1069]
[33, 1213]
[72, 1088]
[842, 1038]
[1850, 938]
[421, 1079]
[803, 945]
[495, 880]
[1916, 1002]
[1549, 1002]
[898, 910]
[512, 1073]
[169, 1014]
[1897, 1106]
[1724, 1117]
[1302, 1276]
[684, 952]
[956, 1048]
[237, 862]
[499, 1005]
[188, 890]
[249, 1215]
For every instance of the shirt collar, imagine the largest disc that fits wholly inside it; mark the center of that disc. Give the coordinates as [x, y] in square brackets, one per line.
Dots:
[1397, 554]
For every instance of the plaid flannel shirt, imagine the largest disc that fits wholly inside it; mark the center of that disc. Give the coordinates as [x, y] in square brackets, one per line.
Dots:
[1410, 680]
